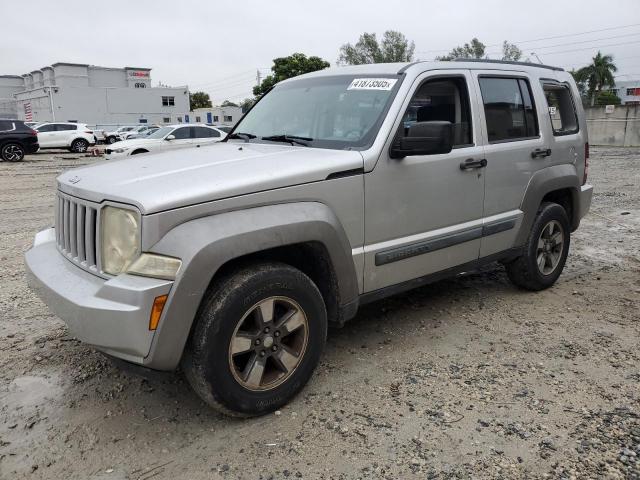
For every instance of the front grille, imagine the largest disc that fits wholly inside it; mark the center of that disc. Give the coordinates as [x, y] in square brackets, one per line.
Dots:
[77, 231]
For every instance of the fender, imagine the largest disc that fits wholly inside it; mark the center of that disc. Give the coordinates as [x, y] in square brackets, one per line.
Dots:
[206, 243]
[542, 182]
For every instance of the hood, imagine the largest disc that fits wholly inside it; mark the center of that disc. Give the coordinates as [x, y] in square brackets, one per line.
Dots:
[172, 179]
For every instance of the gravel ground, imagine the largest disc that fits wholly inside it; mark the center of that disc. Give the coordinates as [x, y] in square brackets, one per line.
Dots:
[465, 378]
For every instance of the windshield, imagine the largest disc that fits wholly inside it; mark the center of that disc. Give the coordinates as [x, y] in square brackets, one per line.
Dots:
[336, 112]
[161, 132]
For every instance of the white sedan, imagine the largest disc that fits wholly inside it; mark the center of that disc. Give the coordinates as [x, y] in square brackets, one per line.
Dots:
[166, 138]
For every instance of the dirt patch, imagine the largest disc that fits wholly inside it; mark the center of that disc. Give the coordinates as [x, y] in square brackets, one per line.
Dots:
[468, 377]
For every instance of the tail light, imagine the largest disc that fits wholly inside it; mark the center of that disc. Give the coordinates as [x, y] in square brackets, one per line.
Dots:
[33, 132]
[586, 163]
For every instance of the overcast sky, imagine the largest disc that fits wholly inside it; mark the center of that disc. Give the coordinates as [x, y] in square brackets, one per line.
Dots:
[217, 45]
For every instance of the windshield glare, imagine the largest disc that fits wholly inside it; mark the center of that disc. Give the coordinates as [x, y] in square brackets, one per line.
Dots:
[161, 133]
[336, 112]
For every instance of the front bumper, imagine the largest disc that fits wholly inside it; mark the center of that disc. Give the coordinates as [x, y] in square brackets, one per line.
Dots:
[111, 315]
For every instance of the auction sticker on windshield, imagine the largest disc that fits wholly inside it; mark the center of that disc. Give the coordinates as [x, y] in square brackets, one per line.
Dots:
[372, 84]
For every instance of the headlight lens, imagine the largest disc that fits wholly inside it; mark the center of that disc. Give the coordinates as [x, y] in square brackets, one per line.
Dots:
[120, 239]
[156, 266]
[120, 150]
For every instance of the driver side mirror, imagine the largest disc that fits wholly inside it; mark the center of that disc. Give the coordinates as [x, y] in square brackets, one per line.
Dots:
[423, 138]
[170, 137]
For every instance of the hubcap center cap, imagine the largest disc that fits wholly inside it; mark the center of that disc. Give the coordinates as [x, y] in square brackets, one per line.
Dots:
[268, 341]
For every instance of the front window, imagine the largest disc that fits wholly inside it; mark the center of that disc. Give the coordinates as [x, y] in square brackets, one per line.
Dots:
[161, 133]
[338, 112]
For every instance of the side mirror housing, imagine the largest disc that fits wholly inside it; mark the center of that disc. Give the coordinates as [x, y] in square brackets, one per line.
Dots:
[170, 137]
[424, 138]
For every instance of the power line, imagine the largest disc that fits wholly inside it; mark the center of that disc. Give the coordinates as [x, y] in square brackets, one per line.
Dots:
[545, 38]
[572, 43]
[594, 47]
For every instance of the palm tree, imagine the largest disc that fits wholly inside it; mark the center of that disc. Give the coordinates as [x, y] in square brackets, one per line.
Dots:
[598, 75]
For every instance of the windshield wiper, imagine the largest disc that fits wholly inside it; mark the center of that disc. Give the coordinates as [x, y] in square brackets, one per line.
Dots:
[241, 136]
[292, 139]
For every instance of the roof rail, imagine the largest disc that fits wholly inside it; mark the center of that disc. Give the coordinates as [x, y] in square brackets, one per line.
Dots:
[509, 62]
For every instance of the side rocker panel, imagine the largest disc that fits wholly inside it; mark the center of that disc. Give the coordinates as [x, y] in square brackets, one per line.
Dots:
[205, 244]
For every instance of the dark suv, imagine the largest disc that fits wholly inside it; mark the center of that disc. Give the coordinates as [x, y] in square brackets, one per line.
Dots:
[16, 140]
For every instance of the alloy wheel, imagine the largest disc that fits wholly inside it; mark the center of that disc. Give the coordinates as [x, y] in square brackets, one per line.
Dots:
[13, 153]
[550, 247]
[268, 343]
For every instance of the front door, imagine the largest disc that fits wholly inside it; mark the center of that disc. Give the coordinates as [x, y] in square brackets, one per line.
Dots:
[46, 135]
[423, 214]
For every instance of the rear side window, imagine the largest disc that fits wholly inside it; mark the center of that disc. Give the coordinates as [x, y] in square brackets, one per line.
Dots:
[47, 128]
[561, 108]
[509, 109]
[64, 127]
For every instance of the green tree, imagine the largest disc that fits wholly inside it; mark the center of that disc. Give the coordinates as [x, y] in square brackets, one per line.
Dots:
[607, 97]
[597, 76]
[228, 103]
[473, 49]
[246, 104]
[287, 67]
[199, 100]
[511, 52]
[394, 47]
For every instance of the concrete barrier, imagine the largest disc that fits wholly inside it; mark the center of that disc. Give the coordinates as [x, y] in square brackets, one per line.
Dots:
[620, 128]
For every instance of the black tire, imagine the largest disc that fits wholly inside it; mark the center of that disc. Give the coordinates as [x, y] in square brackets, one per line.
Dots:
[525, 271]
[79, 145]
[208, 362]
[12, 152]
[111, 140]
[138, 152]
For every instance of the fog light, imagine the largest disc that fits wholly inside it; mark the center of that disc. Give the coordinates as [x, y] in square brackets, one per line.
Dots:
[156, 311]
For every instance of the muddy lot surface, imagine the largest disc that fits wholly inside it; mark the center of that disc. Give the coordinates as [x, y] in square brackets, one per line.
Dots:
[468, 377]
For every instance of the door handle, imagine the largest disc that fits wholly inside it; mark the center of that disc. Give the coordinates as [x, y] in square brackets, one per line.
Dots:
[470, 163]
[541, 153]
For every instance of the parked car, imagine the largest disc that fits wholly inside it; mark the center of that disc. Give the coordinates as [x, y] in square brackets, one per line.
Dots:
[144, 134]
[76, 137]
[136, 131]
[16, 140]
[166, 138]
[232, 260]
[115, 135]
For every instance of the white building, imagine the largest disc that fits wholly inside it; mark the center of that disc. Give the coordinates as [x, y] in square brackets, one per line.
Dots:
[216, 115]
[91, 94]
[628, 91]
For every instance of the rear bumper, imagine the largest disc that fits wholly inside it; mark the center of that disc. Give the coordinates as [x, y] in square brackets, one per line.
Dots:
[111, 315]
[584, 204]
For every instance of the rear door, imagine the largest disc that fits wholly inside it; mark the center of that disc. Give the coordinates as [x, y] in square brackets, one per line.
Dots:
[515, 148]
[64, 134]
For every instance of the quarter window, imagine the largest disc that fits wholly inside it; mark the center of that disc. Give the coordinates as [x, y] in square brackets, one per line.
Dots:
[443, 99]
[561, 109]
[509, 109]
[168, 101]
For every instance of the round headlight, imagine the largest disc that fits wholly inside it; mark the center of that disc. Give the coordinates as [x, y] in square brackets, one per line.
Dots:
[120, 239]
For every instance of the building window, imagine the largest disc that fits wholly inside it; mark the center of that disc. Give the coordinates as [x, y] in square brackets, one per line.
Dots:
[228, 118]
[166, 120]
[140, 85]
[168, 101]
[633, 92]
[215, 118]
[197, 119]
[142, 120]
[179, 119]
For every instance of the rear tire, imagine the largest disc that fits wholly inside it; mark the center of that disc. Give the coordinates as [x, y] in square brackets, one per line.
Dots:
[257, 339]
[111, 140]
[12, 152]
[545, 253]
[79, 145]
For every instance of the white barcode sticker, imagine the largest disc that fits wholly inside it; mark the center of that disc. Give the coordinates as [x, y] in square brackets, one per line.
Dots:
[372, 84]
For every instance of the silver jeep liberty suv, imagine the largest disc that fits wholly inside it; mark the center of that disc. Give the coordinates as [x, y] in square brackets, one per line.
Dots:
[338, 188]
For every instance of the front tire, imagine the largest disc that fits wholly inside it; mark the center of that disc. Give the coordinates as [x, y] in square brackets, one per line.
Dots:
[545, 253]
[111, 140]
[258, 337]
[12, 152]
[79, 145]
